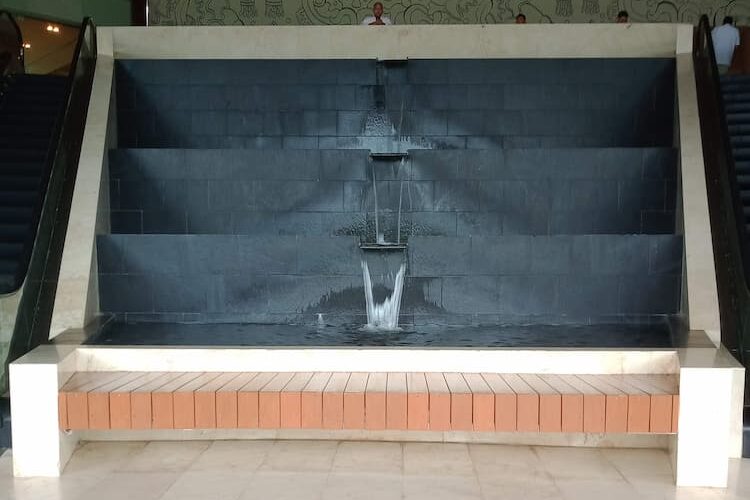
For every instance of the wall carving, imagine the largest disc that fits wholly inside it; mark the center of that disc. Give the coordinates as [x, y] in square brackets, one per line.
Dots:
[307, 12]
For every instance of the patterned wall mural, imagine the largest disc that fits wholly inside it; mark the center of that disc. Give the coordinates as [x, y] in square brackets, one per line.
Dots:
[305, 12]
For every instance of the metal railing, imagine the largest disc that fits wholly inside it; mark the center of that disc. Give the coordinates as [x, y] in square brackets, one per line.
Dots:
[51, 215]
[727, 219]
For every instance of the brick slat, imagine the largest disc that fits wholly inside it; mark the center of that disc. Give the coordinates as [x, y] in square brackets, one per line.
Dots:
[373, 401]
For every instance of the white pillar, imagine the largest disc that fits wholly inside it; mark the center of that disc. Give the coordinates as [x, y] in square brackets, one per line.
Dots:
[708, 416]
[39, 447]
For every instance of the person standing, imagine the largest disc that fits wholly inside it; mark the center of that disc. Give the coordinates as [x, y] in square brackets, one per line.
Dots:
[726, 38]
[520, 19]
[623, 17]
[377, 18]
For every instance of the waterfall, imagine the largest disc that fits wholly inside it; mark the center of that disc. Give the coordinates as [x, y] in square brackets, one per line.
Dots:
[383, 317]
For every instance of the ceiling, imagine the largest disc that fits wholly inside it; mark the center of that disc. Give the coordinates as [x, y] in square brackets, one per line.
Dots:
[50, 52]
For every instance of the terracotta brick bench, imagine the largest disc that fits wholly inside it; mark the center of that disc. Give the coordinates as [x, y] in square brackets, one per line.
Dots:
[371, 401]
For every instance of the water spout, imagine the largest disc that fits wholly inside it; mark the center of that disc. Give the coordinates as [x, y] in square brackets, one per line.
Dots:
[383, 317]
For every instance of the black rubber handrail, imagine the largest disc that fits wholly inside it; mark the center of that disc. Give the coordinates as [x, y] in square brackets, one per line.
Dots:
[704, 32]
[728, 232]
[19, 40]
[54, 145]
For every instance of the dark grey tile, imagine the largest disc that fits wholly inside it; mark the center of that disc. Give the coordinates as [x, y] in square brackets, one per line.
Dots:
[125, 293]
[551, 254]
[243, 123]
[266, 254]
[457, 195]
[665, 254]
[501, 255]
[528, 295]
[439, 256]
[328, 256]
[583, 296]
[470, 295]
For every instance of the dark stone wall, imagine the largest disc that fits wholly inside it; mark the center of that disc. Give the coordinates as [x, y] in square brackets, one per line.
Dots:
[475, 104]
[535, 192]
[451, 280]
[447, 193]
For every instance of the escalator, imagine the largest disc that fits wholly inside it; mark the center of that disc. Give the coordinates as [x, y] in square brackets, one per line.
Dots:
[42, 118]
[724, 109]
[29, 110]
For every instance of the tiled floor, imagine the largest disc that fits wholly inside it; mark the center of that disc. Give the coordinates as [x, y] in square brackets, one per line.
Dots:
[300, 470]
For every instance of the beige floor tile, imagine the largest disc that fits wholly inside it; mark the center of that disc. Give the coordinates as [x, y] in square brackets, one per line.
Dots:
[165, 456]
[639, 463]
[437, 459]
[363, 487]
[598, 489]
[208, 485]
[131, 486]
[285, 486]
[504, 490]
[102, 457]
[441, 488]
[576, 463]
[244, 456]
[368, 458]
[300, 456]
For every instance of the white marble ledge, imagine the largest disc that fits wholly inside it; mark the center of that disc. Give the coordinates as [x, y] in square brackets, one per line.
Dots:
[395, 42]
[560, 361]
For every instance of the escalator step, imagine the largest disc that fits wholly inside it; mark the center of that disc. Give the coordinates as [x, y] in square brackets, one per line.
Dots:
[739, 129]
[741, 153]
[743, 181]
[737, 107]
[737, 117]
[13, 215]
[10, 250]
[742, 166]
[23, 169]
[8, 266]
[13, 232]
[20, 182]
[736, 140]
[739, 96]
[18, 198]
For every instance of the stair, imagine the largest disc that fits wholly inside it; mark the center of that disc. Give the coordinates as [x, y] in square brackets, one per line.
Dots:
[29, 109]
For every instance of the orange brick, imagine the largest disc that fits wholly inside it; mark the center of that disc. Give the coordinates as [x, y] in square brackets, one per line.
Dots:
[311, 401]
[661, 413]
[440, 402]
[572, 413]
[506, 404]
[248, 401]
[639, 410]
[354, 401]
[527, 417]
[461, 402]
[483, 403]
[375, 393]
[417, 402]
[333, 401]
[290, 400]
[269, 401]
[396, 403]
[550, 412]
[594, 413]
[62, 410]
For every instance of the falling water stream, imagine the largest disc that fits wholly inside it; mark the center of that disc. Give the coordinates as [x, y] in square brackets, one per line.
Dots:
[384, 316]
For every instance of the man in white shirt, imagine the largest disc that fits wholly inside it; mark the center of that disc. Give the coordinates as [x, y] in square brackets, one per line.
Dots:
[726, 37]
[377, 18]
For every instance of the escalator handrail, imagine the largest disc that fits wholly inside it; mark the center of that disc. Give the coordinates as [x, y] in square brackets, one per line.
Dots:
[704, 30]
[55, 143]
[19, 37]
